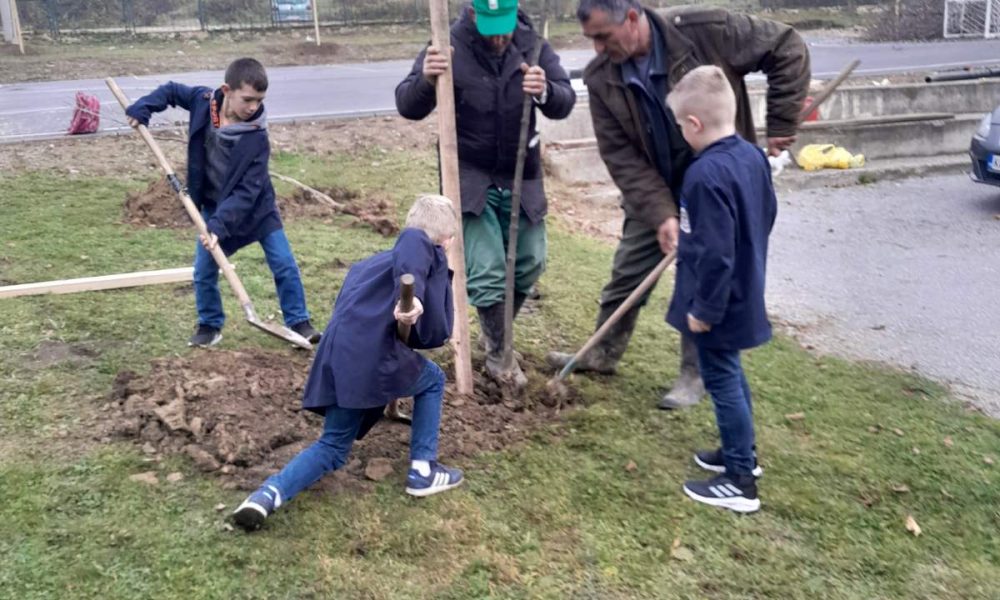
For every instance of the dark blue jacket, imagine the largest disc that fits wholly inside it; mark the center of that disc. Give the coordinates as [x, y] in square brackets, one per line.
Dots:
[244, 210]
[727, 211]
[360, 362]
[488, 104]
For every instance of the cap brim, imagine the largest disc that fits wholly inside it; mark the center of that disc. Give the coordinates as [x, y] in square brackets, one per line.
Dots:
[496, 24]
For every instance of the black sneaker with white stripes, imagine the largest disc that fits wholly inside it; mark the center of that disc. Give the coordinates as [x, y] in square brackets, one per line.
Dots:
[205, 337]
[737, 493]
[711, 460]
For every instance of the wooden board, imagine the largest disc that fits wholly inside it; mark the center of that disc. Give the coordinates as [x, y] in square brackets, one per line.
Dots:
[102, 282]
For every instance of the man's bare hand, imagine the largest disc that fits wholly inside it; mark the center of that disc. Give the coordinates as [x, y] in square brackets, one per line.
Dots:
[435, 63]
[667, 234]
[534, 80]
[696, 325]
[776, 144]
[209, 242]
[133, 123]
[409, 318]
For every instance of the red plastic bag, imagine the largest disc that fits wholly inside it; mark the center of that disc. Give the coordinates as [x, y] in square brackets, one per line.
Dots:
[86, 116]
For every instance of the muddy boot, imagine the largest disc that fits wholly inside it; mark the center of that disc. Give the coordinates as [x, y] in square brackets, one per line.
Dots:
[688, 390]
[491, 324]
[602, 358]
[483, 342]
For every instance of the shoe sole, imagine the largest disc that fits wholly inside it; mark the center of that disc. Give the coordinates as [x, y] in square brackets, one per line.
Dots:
[757, 471]
[424, 492]
[250, 516]
[214, 341]
[740, 505]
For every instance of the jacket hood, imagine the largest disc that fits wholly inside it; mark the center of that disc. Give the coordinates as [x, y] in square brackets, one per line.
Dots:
[258, 122]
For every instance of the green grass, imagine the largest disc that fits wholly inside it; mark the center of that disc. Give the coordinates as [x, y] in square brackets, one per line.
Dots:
[558, 517]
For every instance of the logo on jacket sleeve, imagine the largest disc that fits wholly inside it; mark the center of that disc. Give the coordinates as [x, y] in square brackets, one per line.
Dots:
[685, 220]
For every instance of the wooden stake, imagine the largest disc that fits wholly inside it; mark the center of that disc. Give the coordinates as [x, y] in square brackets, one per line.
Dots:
[324, 198]
[316, 20]
[16, 22]
[448, 144]
[102, 282]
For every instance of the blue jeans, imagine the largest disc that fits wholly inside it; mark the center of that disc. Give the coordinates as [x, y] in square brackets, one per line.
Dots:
[287, 280]
[340, 429]
[722, 373]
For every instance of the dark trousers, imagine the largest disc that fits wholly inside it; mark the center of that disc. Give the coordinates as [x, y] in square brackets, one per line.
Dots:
[637, 255]
[722, 373]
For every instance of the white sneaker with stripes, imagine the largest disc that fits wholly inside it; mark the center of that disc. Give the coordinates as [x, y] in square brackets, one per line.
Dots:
[440, 479]
[734, 492]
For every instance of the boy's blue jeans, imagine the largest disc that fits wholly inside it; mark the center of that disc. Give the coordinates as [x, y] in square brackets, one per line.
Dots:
[287, 280]
[722, 373]
[340, 429]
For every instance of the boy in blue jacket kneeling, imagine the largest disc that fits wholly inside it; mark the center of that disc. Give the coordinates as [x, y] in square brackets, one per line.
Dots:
[229, 182]
[361, 365]
[727, 210]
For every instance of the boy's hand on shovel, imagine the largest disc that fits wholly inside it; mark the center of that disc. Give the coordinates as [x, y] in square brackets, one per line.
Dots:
[209, 242]
[409, 318]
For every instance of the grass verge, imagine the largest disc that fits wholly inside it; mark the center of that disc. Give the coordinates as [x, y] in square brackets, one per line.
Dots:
[565, 515]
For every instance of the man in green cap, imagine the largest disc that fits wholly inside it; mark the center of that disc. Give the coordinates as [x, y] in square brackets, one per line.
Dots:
[492, 42]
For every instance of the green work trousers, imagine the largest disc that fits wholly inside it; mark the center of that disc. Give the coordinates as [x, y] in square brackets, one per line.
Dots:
[486, 239]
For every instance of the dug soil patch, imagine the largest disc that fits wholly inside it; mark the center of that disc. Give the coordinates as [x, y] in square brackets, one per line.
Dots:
[238, 415]
[158, 206]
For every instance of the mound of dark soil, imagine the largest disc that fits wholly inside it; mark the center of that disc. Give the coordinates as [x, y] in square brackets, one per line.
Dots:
[238, 415]
[158, 206]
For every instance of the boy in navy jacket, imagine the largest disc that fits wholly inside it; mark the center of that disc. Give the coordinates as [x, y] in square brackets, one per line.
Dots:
[228, 153]
[727, 210]
[361, 365]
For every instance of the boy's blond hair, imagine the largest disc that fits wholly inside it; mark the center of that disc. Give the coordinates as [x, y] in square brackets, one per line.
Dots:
[706, 94]
[435, 215]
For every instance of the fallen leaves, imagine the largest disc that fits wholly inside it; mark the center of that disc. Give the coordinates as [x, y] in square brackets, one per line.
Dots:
[631, 467]
[149, 478]
[988, 460]
[901, 488]
[897, 431]
[679, 552]
[948, 443]
[912, 526]
[793, 417]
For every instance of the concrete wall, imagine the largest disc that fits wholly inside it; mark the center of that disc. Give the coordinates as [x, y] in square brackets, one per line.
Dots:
[964, 97]
[580, 161]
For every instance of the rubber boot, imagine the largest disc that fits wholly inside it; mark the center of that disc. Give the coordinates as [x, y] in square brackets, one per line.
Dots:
[602, 358]
[689, 389]
[483, 344]
[491, 323]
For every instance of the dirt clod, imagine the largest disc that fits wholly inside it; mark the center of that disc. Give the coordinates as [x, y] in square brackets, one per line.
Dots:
[378, 469]
[246, 424]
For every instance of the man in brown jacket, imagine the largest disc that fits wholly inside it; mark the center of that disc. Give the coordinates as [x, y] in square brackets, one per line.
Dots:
[641, 54]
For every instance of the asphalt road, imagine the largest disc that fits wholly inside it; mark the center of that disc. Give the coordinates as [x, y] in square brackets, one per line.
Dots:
[906, 273]
[42, 110]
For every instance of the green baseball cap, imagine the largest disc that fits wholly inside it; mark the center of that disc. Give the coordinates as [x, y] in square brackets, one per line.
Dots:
[495, 17]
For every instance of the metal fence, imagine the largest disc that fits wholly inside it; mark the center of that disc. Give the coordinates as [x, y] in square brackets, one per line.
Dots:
[972, 18]
[70, 16]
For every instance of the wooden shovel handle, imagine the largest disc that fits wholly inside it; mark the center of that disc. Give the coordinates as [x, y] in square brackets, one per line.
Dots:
[406, 282]
[192, 210]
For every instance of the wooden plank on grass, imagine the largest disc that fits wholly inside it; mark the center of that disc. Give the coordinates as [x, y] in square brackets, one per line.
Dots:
[102, 282]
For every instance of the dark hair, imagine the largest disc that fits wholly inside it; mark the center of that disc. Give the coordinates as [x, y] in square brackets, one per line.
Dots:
[616, 9]
[247, 71]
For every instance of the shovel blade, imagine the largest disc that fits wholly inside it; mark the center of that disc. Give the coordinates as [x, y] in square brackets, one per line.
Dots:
[281, 332]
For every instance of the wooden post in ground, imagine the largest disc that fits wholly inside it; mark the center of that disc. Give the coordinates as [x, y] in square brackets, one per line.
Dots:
[448, 145]
[315, 5]
[16, 21]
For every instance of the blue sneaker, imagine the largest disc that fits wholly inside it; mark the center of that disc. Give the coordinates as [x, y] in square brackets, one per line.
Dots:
[258, 506]
[440, 479]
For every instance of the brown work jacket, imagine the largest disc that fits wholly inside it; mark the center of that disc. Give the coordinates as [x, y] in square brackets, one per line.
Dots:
[694, 36]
